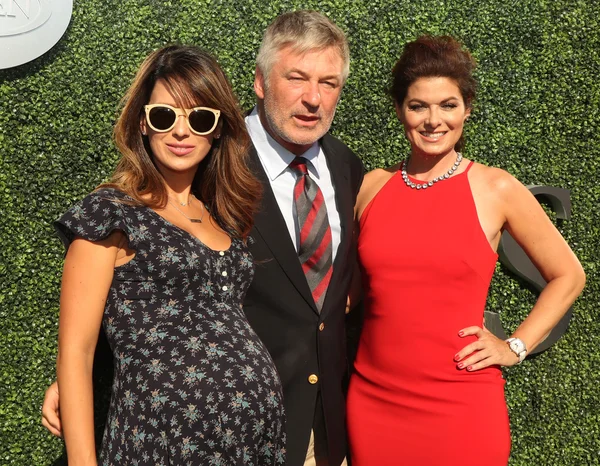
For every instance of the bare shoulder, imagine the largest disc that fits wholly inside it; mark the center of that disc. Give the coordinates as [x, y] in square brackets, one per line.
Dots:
[372, 184]
[496, 182]
[378, 177]
[503, 198]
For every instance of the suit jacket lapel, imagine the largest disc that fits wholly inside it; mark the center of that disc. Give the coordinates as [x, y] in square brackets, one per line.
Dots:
[339, 169]
[269, 223]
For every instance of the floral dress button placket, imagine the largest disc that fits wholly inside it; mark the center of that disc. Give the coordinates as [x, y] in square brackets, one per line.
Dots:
[222, 264]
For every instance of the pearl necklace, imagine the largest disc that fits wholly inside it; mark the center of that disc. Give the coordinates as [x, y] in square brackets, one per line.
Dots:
[428, 184]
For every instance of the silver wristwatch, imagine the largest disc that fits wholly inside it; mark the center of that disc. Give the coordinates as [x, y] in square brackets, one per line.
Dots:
[517, 346]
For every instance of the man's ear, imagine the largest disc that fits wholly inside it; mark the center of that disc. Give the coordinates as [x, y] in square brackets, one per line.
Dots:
[259, 84]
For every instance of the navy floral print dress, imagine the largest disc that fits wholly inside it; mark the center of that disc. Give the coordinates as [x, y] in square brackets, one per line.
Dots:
[193, 385]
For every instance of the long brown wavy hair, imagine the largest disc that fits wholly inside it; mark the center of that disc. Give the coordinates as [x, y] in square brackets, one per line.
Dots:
[223, 181]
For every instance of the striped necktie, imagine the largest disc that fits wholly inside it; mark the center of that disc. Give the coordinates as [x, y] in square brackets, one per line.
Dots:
[314, 250]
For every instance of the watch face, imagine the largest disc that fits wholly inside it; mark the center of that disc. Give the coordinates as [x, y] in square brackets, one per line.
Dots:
[517, 346]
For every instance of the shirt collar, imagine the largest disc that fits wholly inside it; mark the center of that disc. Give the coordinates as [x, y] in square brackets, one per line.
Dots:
[274, 157]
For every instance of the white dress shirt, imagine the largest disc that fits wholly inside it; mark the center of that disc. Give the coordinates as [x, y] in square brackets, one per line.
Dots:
[275, 160]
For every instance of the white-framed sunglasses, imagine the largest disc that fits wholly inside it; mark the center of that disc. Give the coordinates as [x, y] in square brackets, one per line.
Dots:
[201, 120]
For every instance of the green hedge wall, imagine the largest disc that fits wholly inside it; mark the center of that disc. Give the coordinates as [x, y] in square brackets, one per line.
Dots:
[537, 116]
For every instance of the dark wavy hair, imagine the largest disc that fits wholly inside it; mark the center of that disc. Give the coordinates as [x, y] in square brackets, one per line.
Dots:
[223, 181]
[435, 56]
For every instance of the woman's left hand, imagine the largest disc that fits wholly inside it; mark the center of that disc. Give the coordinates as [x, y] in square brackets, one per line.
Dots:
[487, 351]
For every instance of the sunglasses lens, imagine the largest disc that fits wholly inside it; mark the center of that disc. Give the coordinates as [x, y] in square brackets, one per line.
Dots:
[162, 118]
[202, 121]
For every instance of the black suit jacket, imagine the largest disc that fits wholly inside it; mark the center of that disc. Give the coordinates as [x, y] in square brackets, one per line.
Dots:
[281, 310]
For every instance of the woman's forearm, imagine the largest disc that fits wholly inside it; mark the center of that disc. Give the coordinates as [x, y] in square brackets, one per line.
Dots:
[74, 374]
[87, 276]
[553, 303]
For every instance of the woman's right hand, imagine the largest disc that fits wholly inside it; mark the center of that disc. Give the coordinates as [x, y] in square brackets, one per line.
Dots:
[51, 412]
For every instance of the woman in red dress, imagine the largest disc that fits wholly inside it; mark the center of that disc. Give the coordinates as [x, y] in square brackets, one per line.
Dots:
[427, 388]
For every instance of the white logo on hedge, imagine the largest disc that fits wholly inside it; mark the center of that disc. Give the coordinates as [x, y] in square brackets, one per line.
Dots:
[29, 28]
[17, 17]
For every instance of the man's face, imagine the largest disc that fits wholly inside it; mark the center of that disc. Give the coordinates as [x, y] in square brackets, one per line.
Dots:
[299, 101]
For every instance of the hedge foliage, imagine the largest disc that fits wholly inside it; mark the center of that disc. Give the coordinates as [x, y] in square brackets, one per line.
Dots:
[537, 116]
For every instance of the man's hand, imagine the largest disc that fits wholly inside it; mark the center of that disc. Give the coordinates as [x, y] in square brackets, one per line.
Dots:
[50, 411]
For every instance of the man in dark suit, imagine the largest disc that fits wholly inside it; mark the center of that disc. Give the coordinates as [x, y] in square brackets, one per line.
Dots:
[302, 241]
[301, 68]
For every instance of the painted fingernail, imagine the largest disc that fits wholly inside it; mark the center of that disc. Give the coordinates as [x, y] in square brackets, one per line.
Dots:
[461, 365]
[461, 333]
[469, 368]
[456, 358]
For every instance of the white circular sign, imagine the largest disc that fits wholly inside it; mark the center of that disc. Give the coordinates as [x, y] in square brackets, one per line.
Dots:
[29, 28]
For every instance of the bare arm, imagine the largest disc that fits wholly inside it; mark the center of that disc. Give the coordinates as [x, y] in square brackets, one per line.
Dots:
[372, 183]
[529, 225]
[87, 275]
[535, 233]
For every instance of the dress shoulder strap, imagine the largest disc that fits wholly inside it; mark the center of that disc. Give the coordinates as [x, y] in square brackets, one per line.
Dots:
[469, 166]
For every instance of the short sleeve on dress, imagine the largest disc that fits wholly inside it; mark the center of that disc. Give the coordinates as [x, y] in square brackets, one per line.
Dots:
[96, 217]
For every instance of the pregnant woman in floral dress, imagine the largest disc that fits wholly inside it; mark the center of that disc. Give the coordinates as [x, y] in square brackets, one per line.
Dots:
[158, 256]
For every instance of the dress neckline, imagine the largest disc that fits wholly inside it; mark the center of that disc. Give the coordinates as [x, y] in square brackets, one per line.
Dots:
[187, 233]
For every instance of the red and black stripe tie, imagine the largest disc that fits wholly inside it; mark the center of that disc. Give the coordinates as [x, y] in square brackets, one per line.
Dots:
[314, 250]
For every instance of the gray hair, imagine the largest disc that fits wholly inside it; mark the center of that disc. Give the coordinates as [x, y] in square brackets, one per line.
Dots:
[303, 30]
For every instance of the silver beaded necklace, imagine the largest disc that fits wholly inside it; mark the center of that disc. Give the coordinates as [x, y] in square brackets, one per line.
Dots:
[429, 184]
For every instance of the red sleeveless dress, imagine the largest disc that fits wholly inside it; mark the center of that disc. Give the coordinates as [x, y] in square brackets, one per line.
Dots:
[426, 267]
